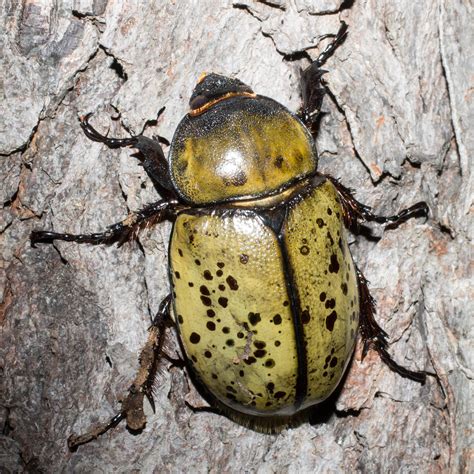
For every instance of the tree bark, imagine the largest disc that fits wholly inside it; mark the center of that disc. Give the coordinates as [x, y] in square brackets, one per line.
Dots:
[397, 129]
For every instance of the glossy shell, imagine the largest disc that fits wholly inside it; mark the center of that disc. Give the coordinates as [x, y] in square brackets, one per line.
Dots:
[266, 302]
[239, 148]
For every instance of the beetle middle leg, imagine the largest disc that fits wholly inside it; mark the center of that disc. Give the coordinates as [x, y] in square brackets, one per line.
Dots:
[119, 232]
[142, 386]
[355, 212]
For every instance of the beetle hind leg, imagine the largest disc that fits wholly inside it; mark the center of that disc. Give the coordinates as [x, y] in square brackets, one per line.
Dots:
[142, 386]
[375, 337]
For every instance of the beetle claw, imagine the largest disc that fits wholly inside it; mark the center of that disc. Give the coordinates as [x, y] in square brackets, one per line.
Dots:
[149, 397]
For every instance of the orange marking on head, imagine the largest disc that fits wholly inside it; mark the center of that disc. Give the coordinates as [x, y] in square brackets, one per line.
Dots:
[209, 104]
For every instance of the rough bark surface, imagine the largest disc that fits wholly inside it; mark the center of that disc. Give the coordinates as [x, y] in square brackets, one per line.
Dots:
[398, 129]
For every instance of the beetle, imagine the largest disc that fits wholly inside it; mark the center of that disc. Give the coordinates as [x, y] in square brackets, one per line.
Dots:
[265, 295]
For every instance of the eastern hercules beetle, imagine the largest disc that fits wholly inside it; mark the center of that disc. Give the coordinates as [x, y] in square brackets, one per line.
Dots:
[265, 296]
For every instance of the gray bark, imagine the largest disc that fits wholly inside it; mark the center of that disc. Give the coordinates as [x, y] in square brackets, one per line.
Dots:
[73, 317]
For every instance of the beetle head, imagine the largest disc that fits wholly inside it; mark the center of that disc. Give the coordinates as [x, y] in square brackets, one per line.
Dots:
[212, 88]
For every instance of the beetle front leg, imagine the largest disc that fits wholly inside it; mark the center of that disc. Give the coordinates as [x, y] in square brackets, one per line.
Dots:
[313, 89]
[355, 212]
[119, 232]
[142, 386]
[150, 154]
[373, 336]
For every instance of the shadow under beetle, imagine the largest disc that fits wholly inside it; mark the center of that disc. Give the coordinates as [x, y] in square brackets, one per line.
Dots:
[266, 298]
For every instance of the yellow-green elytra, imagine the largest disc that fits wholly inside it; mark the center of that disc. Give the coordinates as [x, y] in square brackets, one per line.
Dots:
[266, 299]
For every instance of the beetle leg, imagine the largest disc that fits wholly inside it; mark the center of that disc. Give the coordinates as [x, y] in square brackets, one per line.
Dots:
[142, 386]
[374, 336]
[119, 232]
[312, 86]
[150, 155]
[354, 211]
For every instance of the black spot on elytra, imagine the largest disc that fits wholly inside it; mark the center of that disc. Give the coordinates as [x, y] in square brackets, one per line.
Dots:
[194, 338]
[223, 301]
[214, 376]
[329, 211]
[259, 344]
[254, 318]
[331, 240]
[221, 287]
[193, 358]
[244, 258]
[221, 264]
[260, 353]
[344, 288]
[211, 313]
[339, 243]
[197, 262]
[305, 317]
[270, 363]
[330, 304]
[241, 373]
[277, 319]
[206, 301]
[325, 374]
[334, 265]
[240, 335]
[278, 161]
[230, 342]
[277, 343]
[270, 387]
[177, 275]
[226, 330]
[180, 319]
[219, 273]
[204, 290]
[250, 360]
[304, 250]
[333, 362]
[320, 223]
[286, 303]
[280, 394]
[211, 326]
[208, 354]
[207, 275]
[322, 296]
[230, 396]
[330, 320]
[190, 284]
[232, 282]
[180, 252]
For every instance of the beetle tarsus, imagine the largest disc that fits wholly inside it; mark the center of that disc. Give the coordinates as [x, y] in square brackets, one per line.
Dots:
[74, 441]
